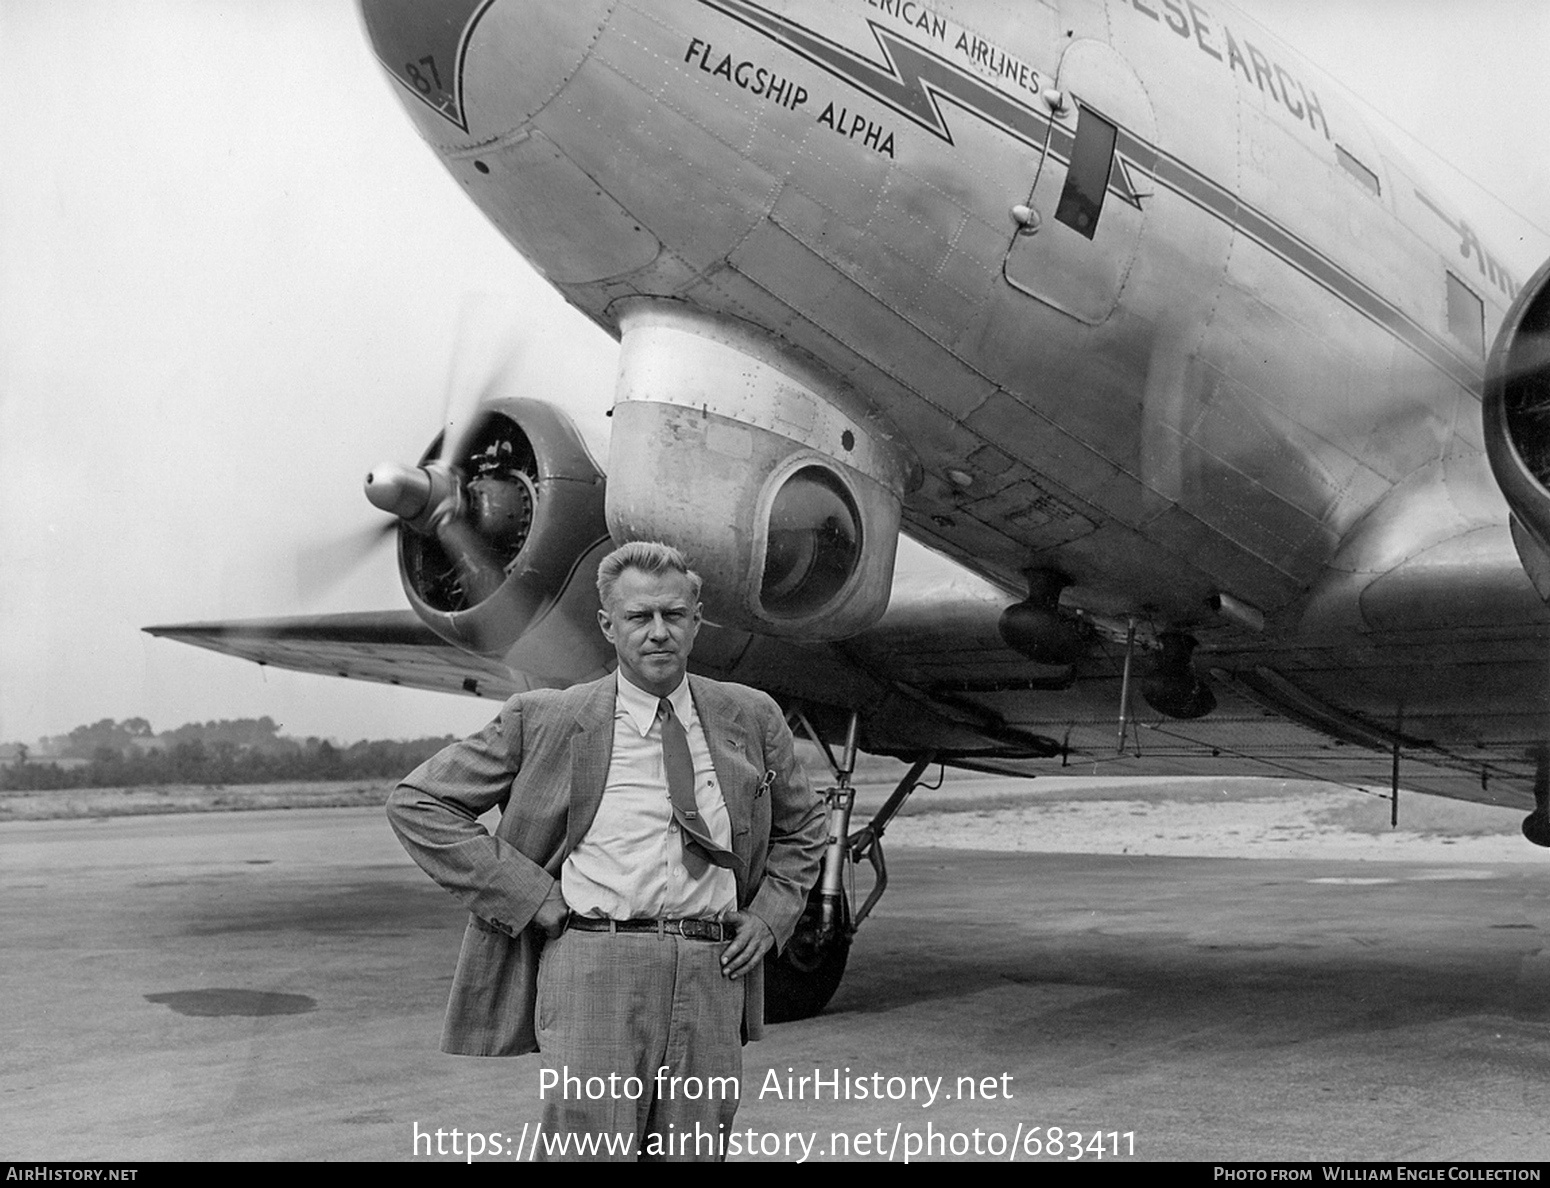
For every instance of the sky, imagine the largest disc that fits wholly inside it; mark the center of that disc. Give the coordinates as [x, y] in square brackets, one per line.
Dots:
[232, 279]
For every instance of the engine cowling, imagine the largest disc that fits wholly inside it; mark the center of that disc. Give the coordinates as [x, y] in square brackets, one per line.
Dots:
[1516, 412]
[766, 471]
[530, 503]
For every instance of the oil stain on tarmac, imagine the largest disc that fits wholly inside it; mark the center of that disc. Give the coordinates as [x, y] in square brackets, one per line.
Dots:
[221, 1001]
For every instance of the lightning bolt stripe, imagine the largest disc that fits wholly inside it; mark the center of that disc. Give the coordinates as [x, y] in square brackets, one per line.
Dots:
[914, 82]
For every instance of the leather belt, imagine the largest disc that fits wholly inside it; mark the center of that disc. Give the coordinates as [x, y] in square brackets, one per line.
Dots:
[689, 929]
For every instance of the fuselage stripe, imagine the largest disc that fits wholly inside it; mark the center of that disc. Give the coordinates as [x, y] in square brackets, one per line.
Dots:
[915, 88]
[1224, 205]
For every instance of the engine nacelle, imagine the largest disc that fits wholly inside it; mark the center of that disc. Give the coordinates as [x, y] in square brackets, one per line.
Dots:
[764, 470]
[1516, 411]
[534, 508]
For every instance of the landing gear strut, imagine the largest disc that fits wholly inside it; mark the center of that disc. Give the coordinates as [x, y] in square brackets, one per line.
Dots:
[801, 980]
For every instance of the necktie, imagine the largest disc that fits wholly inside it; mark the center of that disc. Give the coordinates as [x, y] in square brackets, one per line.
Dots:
[679, 766]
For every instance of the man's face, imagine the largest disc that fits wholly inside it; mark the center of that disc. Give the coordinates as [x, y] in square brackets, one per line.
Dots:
[651, 620]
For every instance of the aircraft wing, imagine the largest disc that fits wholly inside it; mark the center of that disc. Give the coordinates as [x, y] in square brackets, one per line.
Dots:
[935, 668]
[1248, 735]
[392, 647]
[940, 641]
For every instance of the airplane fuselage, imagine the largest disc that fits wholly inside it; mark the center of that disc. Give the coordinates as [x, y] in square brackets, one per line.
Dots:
[1129, 289]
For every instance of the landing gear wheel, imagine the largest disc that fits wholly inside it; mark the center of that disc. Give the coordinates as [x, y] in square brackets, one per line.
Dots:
[1536, 827]
[799, 983]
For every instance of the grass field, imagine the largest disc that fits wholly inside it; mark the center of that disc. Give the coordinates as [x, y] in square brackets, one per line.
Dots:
[187, 798]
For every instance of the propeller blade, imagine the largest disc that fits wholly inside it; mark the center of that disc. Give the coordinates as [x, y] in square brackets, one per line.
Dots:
[487, 351]
[481, 574]
[321, 567]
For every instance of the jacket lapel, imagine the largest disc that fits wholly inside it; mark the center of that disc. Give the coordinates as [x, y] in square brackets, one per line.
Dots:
[591, 747]
[721, 718]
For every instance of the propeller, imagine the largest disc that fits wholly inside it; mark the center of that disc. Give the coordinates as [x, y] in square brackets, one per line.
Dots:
[433, 498]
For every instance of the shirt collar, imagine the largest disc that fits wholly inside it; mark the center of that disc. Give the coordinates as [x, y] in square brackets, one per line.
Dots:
[642, 706]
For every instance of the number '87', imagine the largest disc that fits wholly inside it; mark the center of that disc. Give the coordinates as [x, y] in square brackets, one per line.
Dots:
[422, 84]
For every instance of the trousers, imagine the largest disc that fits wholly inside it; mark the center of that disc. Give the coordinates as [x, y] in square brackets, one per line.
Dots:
[644, 1035]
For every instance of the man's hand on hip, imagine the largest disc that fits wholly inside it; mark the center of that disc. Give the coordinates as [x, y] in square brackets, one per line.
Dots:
[746, 949]
[552, 913]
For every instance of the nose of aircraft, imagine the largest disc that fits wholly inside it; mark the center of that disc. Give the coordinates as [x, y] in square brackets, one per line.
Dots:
[480, 69]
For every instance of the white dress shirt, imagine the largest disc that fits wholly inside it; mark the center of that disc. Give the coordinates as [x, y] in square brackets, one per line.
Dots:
[630, 865]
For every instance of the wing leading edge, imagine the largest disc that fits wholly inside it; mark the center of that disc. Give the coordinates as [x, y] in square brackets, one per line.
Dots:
[391, 647]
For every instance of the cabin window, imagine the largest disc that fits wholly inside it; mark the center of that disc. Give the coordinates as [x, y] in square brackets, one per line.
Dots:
[1466, 315]
[1360, 172]
[1081, 201]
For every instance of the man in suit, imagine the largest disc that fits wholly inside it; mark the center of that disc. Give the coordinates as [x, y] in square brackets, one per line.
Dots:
[657, 839]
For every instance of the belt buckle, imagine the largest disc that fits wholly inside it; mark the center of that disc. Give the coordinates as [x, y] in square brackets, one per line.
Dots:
[691, 929]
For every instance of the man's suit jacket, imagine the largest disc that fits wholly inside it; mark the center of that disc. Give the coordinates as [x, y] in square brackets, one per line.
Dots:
[544, 760]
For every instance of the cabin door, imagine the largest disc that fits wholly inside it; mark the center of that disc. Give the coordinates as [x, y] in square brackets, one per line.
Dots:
[1087, 209]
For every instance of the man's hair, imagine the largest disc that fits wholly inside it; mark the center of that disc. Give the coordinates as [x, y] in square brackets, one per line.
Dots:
[648, 556]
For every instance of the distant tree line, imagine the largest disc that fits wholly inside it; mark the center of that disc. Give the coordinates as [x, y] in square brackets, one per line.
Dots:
[240, 751]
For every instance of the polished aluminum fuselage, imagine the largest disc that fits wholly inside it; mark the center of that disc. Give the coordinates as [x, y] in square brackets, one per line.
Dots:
[1246, 387]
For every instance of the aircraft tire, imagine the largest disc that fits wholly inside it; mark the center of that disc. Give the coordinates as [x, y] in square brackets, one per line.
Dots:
[799, 983]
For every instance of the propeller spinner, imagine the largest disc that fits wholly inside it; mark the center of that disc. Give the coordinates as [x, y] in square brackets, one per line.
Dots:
[467, 510]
